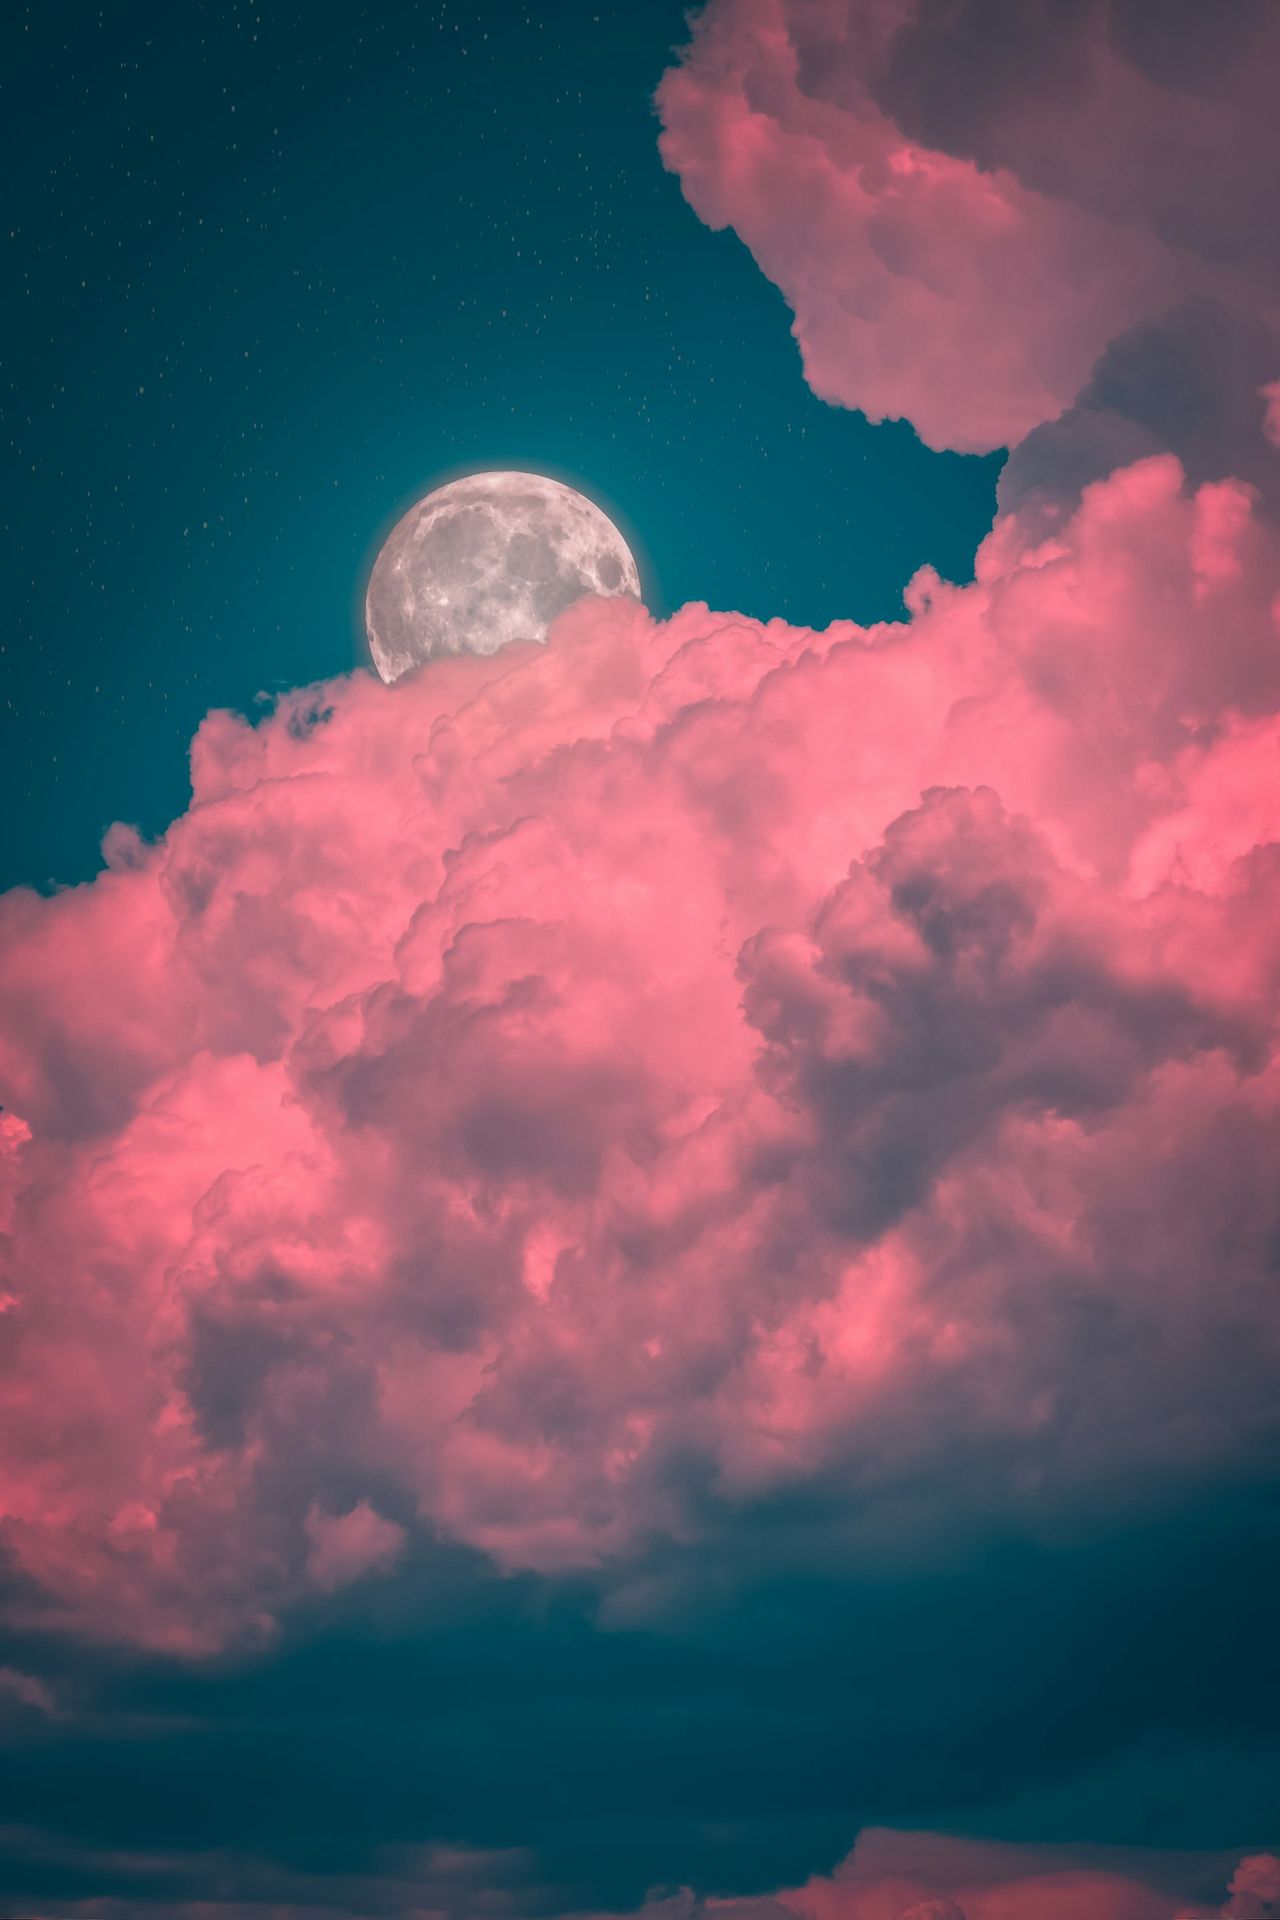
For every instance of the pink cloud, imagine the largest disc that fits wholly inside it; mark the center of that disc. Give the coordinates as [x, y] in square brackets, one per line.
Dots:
[28, 1690]
[1255, 1889]
[963, 205]
[888, 1876]
[577, 1093]
[346, 1546]
[1271, 399]
[910, 1876]
[927, 1876]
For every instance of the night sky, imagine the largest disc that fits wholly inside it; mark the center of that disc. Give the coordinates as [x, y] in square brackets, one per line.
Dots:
[278, 269]
[643, 1271]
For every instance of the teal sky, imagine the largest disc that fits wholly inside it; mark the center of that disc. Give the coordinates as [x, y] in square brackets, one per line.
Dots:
[278, 269]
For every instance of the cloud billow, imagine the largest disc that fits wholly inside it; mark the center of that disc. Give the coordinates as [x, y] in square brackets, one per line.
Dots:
[572, 1094]
[964, 205]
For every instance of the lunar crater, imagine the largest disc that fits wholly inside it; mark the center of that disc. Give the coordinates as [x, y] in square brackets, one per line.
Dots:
[486, 560]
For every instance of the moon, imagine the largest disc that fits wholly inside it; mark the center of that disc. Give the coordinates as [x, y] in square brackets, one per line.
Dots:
[486, 560]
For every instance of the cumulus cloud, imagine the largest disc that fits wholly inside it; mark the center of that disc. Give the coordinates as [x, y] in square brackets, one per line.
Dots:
[347, 1546]
[561, 1102]
[923, 1876]
[965, 204]
[1255, 1889]
[906, 1876]
[888, 1876]
[1194, 382]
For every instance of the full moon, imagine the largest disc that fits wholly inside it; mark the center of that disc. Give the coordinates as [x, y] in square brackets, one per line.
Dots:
[485, 560]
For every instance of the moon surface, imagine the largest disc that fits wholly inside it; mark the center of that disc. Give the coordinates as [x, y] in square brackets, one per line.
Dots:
[486, 560]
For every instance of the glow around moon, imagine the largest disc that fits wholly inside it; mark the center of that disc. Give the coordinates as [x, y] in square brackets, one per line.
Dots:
[486, 560]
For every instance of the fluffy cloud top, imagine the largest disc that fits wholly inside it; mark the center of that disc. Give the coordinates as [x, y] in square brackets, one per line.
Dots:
[965, 203]
[568, 1099]
[920, 1876]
